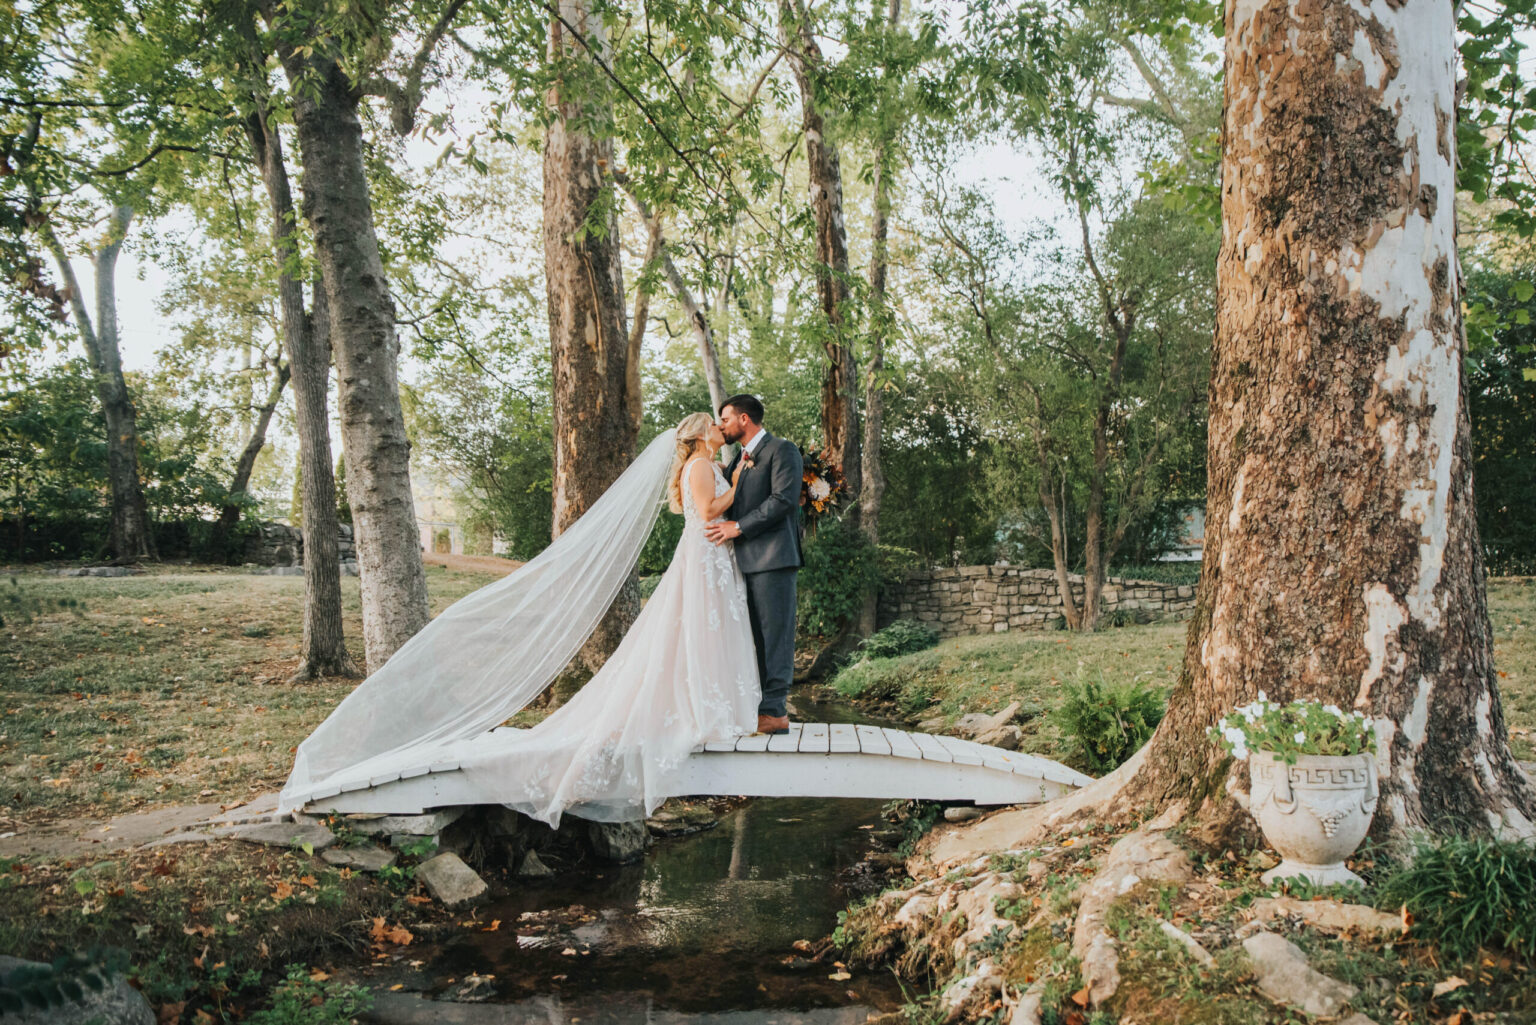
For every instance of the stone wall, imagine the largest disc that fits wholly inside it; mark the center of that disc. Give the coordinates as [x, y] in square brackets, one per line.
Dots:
[281, 546]
[996, 599]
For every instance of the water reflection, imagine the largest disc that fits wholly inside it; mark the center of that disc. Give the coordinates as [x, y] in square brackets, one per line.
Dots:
[702, 932]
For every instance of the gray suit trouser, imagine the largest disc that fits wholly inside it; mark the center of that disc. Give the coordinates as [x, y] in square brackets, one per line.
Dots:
[771, 611]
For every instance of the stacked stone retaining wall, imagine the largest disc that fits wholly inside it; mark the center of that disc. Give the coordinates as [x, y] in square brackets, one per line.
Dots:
[996, 599]
[281, 546]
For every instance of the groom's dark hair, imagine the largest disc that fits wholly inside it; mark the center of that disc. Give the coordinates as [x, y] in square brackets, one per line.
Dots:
[747, 404]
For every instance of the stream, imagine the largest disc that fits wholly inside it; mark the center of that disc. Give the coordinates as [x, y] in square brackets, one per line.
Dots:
[703, 931]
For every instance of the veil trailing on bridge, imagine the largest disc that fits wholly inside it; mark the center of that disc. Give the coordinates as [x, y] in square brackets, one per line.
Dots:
[491, 652]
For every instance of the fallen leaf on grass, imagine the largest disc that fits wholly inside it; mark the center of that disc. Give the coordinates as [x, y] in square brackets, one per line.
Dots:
[1080, 998]
[494, 926]
[198, 930]
[568, 952]
[417, 898]
[282, 891]
[169, 1014]
[1445, 986]
[307, 880]
[840, 976]
[394, 934]
[319, 976]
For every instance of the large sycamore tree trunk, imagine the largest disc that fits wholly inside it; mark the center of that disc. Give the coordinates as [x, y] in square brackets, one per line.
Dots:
[306, 336]
[594, 426]
[1342, 558]
[131, 537]
[839, 381]
[339, 210]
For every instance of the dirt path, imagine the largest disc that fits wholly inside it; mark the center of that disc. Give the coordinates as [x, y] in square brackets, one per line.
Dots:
[473, 563]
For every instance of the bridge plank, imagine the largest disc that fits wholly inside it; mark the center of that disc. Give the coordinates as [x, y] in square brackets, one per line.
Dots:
[872, 741]
[815, 738]
[844, 739]
[752, 742]
[963, 751]
[721, 745]
[785, 743]
[932, 750]
[902, 745]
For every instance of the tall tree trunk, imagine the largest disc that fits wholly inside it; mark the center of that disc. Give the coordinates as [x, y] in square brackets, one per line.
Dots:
[839, 400]
[1342, 559]
[593, 425]
[306, 336]
[340, 213]
[229, 515]
[698, 323]
[131, 536]
[881, 324]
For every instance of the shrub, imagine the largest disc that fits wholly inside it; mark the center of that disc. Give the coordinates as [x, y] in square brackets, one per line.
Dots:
[1468, 893]
[1104, 725]
[306, 998]
[902, 637]
[840, 572]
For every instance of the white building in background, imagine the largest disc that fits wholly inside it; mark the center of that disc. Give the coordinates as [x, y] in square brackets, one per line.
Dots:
[437, 512]
[1191, 546]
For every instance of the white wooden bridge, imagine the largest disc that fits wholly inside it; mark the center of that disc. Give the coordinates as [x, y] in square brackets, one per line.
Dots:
[811, 760]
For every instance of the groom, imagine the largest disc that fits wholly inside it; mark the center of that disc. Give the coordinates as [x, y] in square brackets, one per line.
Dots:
[765, 522]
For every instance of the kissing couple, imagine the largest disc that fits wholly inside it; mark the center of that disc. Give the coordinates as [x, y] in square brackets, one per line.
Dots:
[710, 656]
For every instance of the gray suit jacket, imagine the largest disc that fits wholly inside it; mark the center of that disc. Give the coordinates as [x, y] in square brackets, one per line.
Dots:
[767, 507]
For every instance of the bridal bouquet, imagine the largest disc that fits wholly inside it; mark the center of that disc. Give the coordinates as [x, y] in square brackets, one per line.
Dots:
[821, 485]
[1299, 728]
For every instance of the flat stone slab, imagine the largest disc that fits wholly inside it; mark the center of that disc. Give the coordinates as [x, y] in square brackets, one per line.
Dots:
[1284, 976]
[416, 825]
[363, 859]
[450, 881]
[262, 808]
[96, 836]
[281, 834]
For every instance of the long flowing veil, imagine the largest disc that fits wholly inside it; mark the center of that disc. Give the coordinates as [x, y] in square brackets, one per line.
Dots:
[494, 650]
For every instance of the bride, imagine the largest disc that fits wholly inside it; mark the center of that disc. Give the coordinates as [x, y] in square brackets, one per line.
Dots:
[683, 675]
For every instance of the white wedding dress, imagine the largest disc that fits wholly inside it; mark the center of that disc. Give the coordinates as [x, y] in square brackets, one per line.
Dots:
[684, 674]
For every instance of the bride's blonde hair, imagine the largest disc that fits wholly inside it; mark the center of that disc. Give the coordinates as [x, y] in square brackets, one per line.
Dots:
[691, 433]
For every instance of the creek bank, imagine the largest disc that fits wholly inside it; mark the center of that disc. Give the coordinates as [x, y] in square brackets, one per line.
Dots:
[1053, 919]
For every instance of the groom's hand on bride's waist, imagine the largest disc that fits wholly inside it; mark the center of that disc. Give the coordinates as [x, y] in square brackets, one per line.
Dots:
[718, 532]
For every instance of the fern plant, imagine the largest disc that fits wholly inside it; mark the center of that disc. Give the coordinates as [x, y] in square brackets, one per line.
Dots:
[1104, 725]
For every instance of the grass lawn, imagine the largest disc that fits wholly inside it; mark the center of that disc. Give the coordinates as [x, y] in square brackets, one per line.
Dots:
[986, 672]
[121, 693]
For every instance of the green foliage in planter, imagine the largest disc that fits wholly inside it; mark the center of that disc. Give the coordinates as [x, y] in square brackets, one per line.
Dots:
[902, 637]
[1467, 894]
[1105, 724]
[1302, 727]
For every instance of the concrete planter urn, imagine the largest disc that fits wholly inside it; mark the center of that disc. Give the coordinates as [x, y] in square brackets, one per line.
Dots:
[1315, 812]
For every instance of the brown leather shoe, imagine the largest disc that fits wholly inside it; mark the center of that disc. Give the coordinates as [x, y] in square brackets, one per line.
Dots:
[773, 724]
